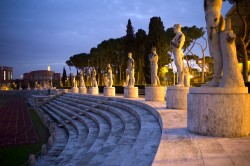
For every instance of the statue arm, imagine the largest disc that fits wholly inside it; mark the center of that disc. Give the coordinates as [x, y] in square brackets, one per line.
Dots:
[154, 58]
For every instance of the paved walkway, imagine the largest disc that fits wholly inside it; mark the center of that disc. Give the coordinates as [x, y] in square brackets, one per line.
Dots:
[181, 147]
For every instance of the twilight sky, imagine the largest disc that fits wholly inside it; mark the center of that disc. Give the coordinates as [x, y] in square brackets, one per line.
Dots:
[38, 33]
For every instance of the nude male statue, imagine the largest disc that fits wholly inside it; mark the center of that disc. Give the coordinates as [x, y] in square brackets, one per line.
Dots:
[130, 78]
[215, 24]
[177, 44]
[153, 58]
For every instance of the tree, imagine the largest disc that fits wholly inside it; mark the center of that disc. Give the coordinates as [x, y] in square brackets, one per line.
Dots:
[129, 38]
[70, 64]
[64, 77]
[156, 38]
[140, 52]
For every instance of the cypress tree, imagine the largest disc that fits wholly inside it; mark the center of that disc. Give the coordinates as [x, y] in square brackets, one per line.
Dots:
[156, 38]
[64, 76]
[129, 38]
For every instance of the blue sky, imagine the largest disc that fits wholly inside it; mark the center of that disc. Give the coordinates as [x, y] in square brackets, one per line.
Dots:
[38, 33]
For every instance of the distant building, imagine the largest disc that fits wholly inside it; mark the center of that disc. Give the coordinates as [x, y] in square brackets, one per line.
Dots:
[41, 78]
[6, 77]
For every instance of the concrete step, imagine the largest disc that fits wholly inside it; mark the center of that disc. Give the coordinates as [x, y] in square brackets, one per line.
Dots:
[72, 132]
[131, 129]
[103, 136]
[148, 138]
[60, 141]
[120, 131]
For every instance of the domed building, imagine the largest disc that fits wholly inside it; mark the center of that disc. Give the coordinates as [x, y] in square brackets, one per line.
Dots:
[41, 78]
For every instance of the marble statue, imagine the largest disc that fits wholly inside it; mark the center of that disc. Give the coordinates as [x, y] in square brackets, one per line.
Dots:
[93, 76]
[176, 45]
[215, 24]
[130, 76]
[50, 141]
[32, 160]
[221, 47]
[153, 58]
[82, 83]
[44, 149]
[73, 80]
[232, 76]
[109, 77]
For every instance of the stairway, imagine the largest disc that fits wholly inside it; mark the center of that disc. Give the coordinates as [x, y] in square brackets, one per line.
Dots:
[100, 130]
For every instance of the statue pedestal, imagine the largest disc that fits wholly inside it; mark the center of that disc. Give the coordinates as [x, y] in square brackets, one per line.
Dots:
[131, 92]
[74, 90]
[83, 90]
[177, 97]
[155, 93]
[222, 112]
[109, 91]
[28, 88]
[94, 90]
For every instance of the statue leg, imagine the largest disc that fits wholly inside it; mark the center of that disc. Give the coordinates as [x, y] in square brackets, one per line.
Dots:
[179, 65]
[215, 52]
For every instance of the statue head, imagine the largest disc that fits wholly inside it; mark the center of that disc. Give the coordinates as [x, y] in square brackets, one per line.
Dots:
[129, 55]
[177, 28]
[108, 66]
[153, 50]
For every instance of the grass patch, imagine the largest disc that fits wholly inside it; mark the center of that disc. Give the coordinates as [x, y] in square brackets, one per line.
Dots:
[17, 155]
[41, 131]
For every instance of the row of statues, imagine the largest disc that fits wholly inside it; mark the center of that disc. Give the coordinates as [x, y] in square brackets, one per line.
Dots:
[176, 45]
[108, 78]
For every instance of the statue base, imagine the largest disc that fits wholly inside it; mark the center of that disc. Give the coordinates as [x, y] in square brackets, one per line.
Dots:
[109, 91]
[155, 93]
[74, 90]
[220, 112]
[28, 88]
[82, 90]
[177, 97]
[94, 90]
[131, 92]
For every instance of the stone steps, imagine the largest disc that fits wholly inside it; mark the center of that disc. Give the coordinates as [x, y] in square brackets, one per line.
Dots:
[96, 140]
[128, 138]
[107, 130]
[61, 139]
[72, 133]
[151, 137]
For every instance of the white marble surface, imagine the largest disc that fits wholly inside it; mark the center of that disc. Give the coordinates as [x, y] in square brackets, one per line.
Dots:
[109, 91]
[219, 114]
[93, 90]
[131, 92]
[83, 90]
[74, 90]
[155, 93]
[177, 97]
